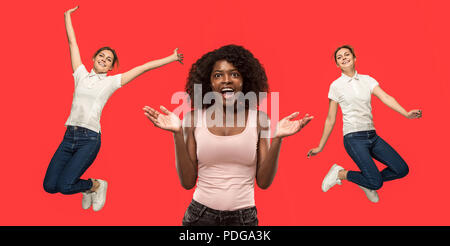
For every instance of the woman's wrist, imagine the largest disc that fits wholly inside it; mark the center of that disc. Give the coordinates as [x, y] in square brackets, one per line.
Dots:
[277, 139]
[320, 147]
[178, 132]
[404, 113]
[173, 57]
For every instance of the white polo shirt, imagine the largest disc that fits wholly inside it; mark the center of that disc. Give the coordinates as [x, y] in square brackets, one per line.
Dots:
[92, 91]
[354, 96]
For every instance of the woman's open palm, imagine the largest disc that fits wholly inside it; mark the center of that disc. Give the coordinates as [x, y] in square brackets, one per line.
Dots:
[287, 126]
[166, 120]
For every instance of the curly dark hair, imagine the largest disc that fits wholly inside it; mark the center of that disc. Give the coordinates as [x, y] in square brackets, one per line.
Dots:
[253, 74]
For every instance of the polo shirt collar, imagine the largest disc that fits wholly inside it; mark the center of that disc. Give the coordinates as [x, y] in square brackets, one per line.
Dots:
[348, 79]
[99, 75]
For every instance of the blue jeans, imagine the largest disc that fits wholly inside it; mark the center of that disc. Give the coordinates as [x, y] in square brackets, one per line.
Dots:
[73, 157]
[365, 145]
[198, 214]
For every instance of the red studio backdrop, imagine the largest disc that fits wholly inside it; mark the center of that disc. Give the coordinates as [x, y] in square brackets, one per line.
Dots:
[402, 44]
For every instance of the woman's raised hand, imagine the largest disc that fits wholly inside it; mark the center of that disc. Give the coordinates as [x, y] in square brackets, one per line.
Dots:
[70, 11]
[287, 126]
[178, 57]
[167, 121]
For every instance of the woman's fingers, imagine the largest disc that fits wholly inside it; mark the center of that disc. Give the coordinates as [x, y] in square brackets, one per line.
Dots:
[416, 113]
[306, 120]
[309, 153]
[180, 58]
[292, 116]
[152, 119]
[166, 111]
[151, 111]
[72, 9]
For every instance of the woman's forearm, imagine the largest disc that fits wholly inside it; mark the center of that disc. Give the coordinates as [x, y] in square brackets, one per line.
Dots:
[389, 101]
[75, 57]
[187, 171]
[135, 72]
[69, 29]
[393, 104]
[268, 168]
[158, 63]
[327, 129]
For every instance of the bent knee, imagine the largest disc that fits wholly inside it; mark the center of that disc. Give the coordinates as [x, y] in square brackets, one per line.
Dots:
[50, 188]
[376, 184]
[404, 171]
[65, 189]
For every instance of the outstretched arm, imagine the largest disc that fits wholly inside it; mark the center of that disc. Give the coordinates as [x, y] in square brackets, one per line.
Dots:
[268, 154]
[327, 129]
[135, 72]
[393, 104]
[75, 57]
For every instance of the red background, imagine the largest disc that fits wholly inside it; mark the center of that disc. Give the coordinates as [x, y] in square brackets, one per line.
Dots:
[402, 44]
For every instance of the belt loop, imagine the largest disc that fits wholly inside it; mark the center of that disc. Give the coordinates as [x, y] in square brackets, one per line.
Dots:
[202, 211]
[241, 217]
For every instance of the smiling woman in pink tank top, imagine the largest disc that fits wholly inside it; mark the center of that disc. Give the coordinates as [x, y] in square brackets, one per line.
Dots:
[222, 147]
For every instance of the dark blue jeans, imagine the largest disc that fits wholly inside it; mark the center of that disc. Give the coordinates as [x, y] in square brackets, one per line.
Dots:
[365, 145]
[198, 214]
[73, 157]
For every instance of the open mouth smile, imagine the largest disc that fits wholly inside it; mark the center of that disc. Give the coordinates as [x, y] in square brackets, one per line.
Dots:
[227, 92]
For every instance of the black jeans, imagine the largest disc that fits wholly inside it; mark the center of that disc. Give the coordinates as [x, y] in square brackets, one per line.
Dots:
[198, 214]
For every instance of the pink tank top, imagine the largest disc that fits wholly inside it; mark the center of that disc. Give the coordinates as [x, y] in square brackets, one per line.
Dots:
[226, 166]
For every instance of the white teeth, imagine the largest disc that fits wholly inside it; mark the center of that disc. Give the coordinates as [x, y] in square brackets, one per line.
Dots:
[227, 90]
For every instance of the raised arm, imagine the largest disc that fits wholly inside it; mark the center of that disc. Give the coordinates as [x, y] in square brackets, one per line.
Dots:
[135, 72]
[393, 104]
[327, 129]
[268, 154]
[185, 146]
[75, 57]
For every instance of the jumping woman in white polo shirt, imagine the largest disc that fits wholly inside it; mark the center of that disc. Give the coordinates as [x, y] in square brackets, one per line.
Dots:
[82, 139]
[352, 91]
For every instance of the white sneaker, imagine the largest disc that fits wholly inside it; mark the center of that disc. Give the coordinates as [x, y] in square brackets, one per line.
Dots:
[86, 202]
[331, 179]
[372, 195]
[99, 196]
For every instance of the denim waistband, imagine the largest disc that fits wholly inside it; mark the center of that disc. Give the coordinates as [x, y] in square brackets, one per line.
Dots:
[368, 134]
[202, 208]
[79, 128]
